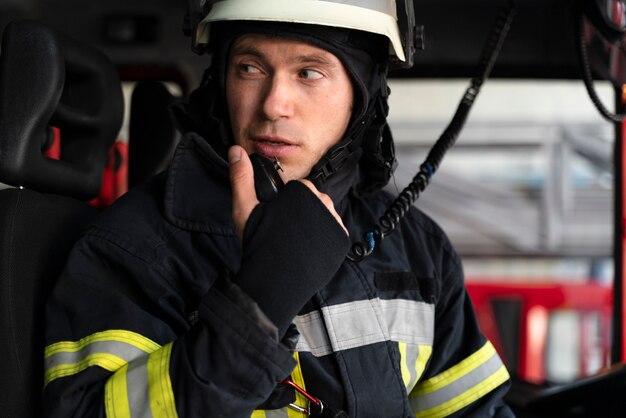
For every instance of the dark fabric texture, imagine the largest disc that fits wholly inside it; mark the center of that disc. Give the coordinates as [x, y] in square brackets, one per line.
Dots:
[38, 231]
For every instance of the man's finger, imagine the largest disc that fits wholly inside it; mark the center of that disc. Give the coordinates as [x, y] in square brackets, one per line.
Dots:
[242, 184]
[327, 201]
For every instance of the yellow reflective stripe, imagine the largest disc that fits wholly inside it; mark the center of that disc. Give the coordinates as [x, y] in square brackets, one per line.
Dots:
[129, 337]
[162, 402]
[142, 389]
[298, 379]
[115, 395]
[460, 385]
[445, 409]
[107, 349]
[457, 371]
[107, 361]
[424, 355]
[425, 352]
[404, 368]
[114, 350]
[413, 359]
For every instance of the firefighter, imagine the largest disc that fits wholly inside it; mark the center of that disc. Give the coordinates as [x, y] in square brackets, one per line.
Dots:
[191, 298]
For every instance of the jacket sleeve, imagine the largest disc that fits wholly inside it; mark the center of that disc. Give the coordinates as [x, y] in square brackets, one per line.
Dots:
[122, 343]
[124, 340]
[464, 377]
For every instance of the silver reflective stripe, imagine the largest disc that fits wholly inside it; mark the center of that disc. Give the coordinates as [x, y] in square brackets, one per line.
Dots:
[364, 322]
[122, 350]
[137, 387]
[313, 335]
[383, 6]
[458, 387]
[410, 321]
[142, 389]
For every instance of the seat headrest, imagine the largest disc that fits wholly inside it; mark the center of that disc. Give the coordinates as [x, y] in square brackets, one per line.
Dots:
[47, 79]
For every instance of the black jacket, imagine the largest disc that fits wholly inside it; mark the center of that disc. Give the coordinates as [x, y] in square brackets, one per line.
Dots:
[157, 312]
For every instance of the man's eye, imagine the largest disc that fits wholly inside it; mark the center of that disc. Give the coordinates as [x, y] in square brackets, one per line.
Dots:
[311, 74]
[247, 68]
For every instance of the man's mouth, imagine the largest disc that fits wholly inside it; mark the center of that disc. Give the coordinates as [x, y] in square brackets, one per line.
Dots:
[272, 147]
[272, 139]
[265, 141]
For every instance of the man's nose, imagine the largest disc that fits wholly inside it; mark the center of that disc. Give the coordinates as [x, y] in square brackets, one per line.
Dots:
[279, 98]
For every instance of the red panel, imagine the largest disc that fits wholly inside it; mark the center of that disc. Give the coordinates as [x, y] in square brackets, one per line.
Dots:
[622, 241]
[115, 176]
[539, 300]
[54, 149]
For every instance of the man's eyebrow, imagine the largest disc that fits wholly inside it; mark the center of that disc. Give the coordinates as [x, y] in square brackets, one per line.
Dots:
[313, 58]
[246, 50]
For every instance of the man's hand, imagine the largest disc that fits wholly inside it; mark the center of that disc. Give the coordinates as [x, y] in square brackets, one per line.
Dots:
[242, 184]
[292, 246]
[327, 201]
[244, 195]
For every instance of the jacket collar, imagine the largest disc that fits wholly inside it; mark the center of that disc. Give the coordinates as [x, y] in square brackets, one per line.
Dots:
[197, 191]
[198, 195]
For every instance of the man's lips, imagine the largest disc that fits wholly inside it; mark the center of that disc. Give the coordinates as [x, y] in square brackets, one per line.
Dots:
[272, 146]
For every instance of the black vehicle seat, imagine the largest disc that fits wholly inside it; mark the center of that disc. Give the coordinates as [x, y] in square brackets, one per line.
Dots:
[46, 80]
[152, 136]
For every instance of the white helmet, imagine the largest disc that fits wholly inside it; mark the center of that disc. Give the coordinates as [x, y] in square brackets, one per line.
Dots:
[382, 17]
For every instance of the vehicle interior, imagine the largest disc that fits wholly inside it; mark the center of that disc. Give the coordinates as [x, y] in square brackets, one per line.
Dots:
[529, 189]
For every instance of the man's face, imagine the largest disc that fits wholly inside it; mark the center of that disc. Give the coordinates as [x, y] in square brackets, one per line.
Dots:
[287, 99]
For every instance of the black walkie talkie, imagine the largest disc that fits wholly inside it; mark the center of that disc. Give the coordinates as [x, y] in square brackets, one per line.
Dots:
[267, 181]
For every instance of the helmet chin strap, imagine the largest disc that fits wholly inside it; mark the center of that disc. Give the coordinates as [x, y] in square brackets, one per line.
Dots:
[379, 161]
[335, 159]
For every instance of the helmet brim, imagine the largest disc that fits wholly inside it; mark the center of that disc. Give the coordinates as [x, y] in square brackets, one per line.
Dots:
[324, 13]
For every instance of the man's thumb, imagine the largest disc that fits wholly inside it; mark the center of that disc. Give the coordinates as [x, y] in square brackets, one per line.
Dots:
[242, 184]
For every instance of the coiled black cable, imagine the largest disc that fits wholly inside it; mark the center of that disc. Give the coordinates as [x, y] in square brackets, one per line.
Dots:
[583, 59]
[408, 196]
